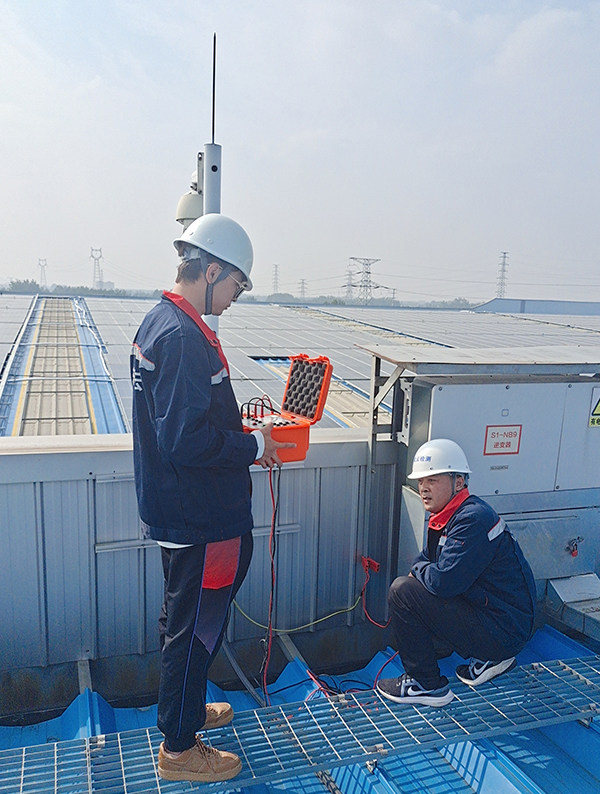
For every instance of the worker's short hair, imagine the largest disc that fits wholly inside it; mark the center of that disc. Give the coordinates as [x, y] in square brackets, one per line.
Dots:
[190, 268]
[189, 271]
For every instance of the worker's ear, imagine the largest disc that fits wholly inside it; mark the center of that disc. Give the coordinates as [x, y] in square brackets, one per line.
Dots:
[212, 272]
[460, 482]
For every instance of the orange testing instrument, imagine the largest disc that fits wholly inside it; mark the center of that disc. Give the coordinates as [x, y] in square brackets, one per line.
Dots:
[303, 402]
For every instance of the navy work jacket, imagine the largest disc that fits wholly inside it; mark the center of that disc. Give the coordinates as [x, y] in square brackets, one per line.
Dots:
[478, 559]
[191, 456]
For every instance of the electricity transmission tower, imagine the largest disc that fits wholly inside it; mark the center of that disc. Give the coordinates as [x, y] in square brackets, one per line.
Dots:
[98, 278]
[275, 279]
[501, 281]
[350, 282]
[365, 289]
[302, 289]
[42, 265]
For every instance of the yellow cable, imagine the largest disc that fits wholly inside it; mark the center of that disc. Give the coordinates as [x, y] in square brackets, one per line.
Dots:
[298, 628]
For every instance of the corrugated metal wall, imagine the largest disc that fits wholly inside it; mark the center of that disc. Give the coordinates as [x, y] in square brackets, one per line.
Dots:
[78, 582]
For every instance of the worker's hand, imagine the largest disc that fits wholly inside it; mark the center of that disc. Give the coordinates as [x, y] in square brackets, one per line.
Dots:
[270, 457]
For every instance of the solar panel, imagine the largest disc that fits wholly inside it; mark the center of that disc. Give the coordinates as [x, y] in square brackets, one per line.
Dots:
[251, 330]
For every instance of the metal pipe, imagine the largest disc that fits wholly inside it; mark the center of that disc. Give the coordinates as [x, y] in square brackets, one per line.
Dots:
[212, 177]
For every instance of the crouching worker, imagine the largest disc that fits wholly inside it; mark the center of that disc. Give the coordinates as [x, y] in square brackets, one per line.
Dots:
[470, 590]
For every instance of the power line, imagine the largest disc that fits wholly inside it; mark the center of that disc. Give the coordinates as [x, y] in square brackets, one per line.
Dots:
[118, 270]
[490, 281]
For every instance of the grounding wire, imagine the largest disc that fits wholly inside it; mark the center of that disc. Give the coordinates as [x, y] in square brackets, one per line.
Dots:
[298, 628]
[267, 640]
[359, 598]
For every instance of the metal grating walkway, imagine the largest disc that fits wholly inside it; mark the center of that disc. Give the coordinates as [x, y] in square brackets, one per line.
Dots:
[296, 739]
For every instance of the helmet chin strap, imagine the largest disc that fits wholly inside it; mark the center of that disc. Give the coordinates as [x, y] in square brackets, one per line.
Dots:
[208, 299]
[454, 475]
[209, 285]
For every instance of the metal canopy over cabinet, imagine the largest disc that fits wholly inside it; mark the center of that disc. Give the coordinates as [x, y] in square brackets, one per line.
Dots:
[528, 420]
[538, 360]
[480, 380]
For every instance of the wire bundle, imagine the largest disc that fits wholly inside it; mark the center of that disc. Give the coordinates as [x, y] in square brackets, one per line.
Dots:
[258, 408]
[328, 689]
[268, 638]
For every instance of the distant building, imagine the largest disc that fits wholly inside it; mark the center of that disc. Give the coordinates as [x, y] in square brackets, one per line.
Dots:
[518, 306]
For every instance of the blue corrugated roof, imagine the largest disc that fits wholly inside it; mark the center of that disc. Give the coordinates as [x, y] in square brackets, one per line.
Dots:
[554, 759]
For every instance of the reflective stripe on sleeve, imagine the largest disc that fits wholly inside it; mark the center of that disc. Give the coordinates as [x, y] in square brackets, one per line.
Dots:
[220, 376]
[497, 529]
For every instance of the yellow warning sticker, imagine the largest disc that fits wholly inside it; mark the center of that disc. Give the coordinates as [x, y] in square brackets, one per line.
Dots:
[595, 408]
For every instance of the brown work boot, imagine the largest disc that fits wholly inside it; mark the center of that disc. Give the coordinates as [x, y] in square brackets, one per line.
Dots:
[200, 763]
[217, 715]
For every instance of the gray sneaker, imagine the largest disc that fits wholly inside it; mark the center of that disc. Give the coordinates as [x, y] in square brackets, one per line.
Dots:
[406, 689]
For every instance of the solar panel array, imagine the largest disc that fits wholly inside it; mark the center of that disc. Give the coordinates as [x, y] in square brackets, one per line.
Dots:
[256, 337]
[13, 310]
[250, 333]
[472, 329]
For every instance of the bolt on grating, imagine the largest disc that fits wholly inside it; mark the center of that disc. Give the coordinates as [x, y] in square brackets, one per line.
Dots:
[282, 742]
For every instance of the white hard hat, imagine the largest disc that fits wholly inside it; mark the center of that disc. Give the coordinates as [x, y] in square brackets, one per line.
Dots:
[222, 237]
[439, 456]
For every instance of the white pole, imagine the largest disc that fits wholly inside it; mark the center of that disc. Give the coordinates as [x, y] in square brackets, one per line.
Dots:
[212, 198]
[212, 177]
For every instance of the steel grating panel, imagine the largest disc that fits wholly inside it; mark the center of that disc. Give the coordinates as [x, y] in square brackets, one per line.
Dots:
[283, 742]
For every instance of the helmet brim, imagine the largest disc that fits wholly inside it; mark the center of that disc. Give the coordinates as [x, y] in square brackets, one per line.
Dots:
[419, 475]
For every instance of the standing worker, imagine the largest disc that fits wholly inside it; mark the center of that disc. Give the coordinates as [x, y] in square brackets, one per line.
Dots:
[191, 460]
[470, 590]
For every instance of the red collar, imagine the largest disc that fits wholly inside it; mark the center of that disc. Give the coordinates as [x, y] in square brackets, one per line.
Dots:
[188, 309]
[439, 520]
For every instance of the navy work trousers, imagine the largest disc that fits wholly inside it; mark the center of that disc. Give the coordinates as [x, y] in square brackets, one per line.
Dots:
[191, 624]
[427, 628]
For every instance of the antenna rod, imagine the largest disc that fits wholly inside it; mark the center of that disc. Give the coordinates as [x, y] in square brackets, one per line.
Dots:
[213, 84]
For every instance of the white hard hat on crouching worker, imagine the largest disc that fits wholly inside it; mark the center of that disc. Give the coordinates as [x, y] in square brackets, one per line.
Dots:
[223, 238]
[439, 456]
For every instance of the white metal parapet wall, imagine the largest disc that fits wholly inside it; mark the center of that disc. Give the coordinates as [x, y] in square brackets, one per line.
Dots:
[80, 582]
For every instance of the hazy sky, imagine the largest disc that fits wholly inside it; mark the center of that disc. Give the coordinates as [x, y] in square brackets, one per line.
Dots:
[430, 135]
